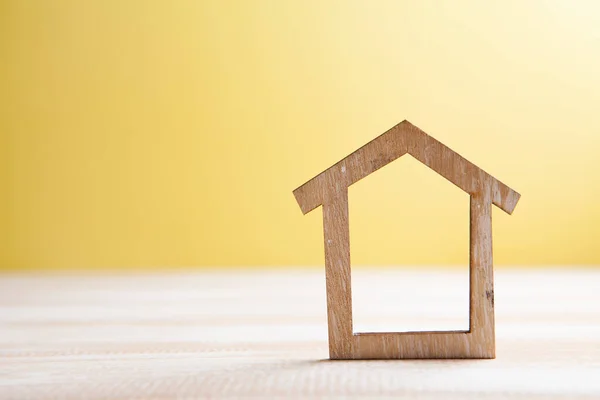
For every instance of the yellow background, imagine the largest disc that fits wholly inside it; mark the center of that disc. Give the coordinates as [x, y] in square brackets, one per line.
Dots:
[138, 134]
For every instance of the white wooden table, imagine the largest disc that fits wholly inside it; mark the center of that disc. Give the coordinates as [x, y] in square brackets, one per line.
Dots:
[263, 334]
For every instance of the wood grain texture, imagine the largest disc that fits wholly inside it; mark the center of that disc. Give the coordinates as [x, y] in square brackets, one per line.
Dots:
[330, 189]
[263, 334]
[337, 273]
[481, 293]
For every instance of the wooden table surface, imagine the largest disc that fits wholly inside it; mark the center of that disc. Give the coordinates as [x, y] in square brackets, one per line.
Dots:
[263, 334]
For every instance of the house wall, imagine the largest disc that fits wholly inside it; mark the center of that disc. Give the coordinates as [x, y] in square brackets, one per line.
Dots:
[148, 134]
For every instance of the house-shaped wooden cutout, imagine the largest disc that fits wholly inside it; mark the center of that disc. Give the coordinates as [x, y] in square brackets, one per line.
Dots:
[330, 189]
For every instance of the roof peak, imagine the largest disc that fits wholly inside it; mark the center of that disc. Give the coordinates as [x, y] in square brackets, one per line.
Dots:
[401, 139]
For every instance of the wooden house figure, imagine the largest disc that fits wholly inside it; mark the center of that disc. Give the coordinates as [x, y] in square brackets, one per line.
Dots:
[330, 190]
